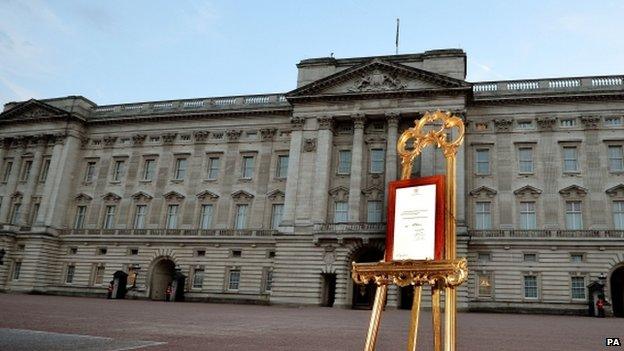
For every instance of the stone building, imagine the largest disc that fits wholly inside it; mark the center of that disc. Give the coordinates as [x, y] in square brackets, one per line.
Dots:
[269, 198]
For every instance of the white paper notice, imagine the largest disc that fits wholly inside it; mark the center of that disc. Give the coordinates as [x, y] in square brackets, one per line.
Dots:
[414, 223]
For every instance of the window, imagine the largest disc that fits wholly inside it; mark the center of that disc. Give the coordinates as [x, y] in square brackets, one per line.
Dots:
[233, 279]
[200, 253]
[484, 257]
[377, 161]
[109, 217]
[34, 213]
[180, 168]
[134, 251]
[341, 212]
[102, 251]
[214, 163]
[118, 170]
[613, 121]
[344, 161]
[7, 171]
[17, 267]
[139, 216]
[237, 253]
[172, 217]
[374, 209]
[21, 247]
[578, 288]
[574, 218]
[276, 215]
[525, 125]
[45, 168]
[528, 219]
[15, 213]
[483, 216]
[247, 167]
[73, 250]
[149, 168]
[616, 158]
[282, 166]
[271, 254]
[26, 170]
[268, 279]
[570, 159]
[618, 215]
[198, 278]
[205, 219]
[485, 285]
[482, 161]
[568, 122]
[576, 257]
[69, 277]
[98, 277]
[80, 217]
[525, 160]
[530, 287]
[529, 257]
[240, 220]
[90, 172]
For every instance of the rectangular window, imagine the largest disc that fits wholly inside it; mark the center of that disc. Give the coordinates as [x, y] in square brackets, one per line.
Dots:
[180, 168]
[172, 217]
[34, 213]
[214, 163]
[613, 121]
[80, 217]
[198, 278]
[530, 287]
[247, 167]
[576, 257]
[377, 161]
[16, 213]
[484, 257]
[528, 218]
[109, 217]
[485, 285]
[90, 172]
[7, 171]
[69, 277]
[341, 212]
[99, 274]
[618, 215]
[268, 280]
[276, 215]
[578, 288]
[568, 122]
[344, 161]
[574, 216]
[149, 169]
[205, 220]
[482, 161]
[616, 158]
[139, 216]
[233, 279]
[570, 159]
[525, 159]
[118, 170]
[26, 170]
[282, 166]
[529, 257]
[240, 220]
[17, 267]
[525, 125]
[45, 168]
[483, 215]
[374, 209]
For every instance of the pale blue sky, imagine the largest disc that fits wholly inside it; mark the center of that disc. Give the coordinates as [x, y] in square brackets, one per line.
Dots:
[126, 51]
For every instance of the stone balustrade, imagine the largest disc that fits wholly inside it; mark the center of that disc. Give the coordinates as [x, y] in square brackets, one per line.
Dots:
[560, 234]
[548, 85]
[171, 232]
[361, 227]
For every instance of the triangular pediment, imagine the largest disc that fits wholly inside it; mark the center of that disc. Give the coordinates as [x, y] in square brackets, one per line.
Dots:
[276, 195]
[173, 195]
[483, 190]
[32, 110]
[573, 190]
[207, 195]
[82, 197]
[373, 192]
[111, 197]
[377, 76]
[527, 190]
[617, 190]
[141, 195]
[242, 194]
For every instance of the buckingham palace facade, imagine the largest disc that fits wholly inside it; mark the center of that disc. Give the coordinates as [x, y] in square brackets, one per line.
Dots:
[269, 198]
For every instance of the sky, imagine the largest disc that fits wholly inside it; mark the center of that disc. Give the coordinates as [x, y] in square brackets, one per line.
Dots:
[128, 51]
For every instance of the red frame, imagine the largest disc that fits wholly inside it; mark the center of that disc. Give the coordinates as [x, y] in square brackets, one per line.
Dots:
[438, 180]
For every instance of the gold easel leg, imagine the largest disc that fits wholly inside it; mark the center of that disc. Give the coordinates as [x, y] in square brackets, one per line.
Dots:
[413, 329]
[435, 313]
[373, 328]
[450, 320]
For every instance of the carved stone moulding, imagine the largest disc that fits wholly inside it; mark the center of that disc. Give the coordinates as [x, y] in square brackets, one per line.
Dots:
[447, 273]
[309, 145]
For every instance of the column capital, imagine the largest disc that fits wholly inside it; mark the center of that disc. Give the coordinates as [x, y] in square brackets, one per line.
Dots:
[325, 122]
[393, 119]
[358, 120]
[297, 122]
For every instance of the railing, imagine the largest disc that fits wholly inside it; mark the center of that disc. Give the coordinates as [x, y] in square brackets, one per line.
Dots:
[172, 232]
[512, 233]
[546, 85]
[364, 227]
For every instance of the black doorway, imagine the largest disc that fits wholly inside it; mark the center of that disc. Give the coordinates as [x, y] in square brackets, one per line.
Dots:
[328, 294]
[364, 295]
[617, 292]
[407, 297]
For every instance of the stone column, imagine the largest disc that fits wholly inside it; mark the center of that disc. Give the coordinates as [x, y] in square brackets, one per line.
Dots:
[296, 137]
[323, 167]
[355, 184]
[391, 154]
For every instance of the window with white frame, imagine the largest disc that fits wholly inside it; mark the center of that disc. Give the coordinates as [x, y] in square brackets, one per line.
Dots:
[618, 215]
[109, 217]
[149, 169]
[570, 159]
[282, 166]
[240, 218]
[574, 215]
[98, 276]
[341, 212]
[7, 170]
[205, 216]
[233, 279]
[69, 275]
[374, 210]
[247, 169]
[484, 282]
[268, 279]
[525, 159]
[344, 161]
[528, 219]
[198, 278]
[482, 161]
[214, 164]
[377, 161]
[530, 287]
[529, 257]
[118, 170]
[577, 288]
[79, 220]
[17, 267]
[90, 172]
[140, 213]
[27, 166]
[276, 215]
[45, 169]
[180, 168]
[483, 216]
[616, 158]
[172, 216]
[576, 257]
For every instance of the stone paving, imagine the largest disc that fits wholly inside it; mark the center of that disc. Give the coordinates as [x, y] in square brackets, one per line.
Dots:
[223, 327]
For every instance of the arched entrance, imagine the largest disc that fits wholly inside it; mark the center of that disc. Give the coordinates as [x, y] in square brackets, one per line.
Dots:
[617, 291]
[364, 295]
[162, 276]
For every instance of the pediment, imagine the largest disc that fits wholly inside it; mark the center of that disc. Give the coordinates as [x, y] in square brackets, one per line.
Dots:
[207, 194]
[339, 193]
[173, 195]
[377, 76]
[483, 190]
[617, 190]
[276, 195]
[32, 110]
[111, 197]
[83, 197]
[141, 195]
[373, 192]
[573, 190]
[242, 195]
[527, 190]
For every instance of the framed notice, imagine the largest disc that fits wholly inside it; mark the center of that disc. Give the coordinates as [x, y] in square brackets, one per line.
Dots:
[415, 223]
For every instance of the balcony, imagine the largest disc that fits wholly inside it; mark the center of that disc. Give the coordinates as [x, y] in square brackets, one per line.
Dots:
[171, 232]
[340, 232]
[547, 234]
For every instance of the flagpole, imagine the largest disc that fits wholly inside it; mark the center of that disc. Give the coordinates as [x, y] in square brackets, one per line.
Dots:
[397, 39]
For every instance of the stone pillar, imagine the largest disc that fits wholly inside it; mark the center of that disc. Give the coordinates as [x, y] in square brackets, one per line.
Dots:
[391, 154]
[323, 167]
[355, 184]
[296, 137]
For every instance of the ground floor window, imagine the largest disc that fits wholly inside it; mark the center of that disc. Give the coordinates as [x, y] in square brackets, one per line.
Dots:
[233, 279]
[98, 277]
[485, 285]
[198, 278]
[530, 286]
[578, 288]
[69, 276]
[268, 279]
[17, 267]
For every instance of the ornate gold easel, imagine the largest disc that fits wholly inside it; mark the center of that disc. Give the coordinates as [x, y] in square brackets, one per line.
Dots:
[444, 274]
